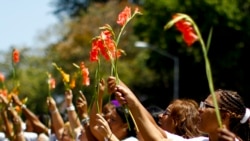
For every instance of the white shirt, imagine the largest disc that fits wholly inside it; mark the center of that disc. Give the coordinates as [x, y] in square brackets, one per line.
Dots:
[2, 137]
[130, 139]
[30, 136]
[175, 137]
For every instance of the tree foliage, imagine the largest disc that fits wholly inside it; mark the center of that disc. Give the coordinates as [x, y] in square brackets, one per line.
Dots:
[228, 50]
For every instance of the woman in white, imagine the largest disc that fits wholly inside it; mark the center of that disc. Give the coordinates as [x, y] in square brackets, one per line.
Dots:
[235, 116]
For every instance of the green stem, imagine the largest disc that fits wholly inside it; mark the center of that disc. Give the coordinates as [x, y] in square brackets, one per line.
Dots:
[209, 73]
[97, 86]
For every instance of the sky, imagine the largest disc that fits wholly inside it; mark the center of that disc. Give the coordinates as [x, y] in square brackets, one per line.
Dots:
[21, 21]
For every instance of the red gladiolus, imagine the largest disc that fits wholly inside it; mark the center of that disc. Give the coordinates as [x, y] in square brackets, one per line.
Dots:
[187, 31]
[85, 74]
[124, 16]
[95, 50]
[15, 56]
[2, 78]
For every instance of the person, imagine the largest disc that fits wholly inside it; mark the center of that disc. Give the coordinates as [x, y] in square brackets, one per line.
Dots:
[72, 114]
[181, 117]
[155, 111]
[82, 108]
[63, 131]
[33, 123]
[17, 122]
[115, 124]
[235, 115]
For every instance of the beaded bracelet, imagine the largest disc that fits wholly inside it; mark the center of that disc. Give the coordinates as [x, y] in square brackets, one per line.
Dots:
[85, 121]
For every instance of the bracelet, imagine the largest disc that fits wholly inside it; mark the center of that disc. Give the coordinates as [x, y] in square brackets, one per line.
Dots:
[71, 108]
[23, 106]
[85, 121]
[110, 136]
[53, 112]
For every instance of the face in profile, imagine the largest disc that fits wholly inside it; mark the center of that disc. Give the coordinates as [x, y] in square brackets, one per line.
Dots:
[166, 121]
[181, 117]
[208, 122]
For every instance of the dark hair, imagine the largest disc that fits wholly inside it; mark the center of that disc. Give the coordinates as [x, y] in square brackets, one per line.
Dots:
[124, 114]
[155, 110]
[233, 103]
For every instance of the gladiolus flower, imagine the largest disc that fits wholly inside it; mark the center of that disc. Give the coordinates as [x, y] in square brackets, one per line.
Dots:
[65, 76]
[15, 56]
[4, 92]
[2, 78]
[85, 74]
[107, 44]
[72, 83]
[124, 16]
[52, 83]
[188, 33]
[191, 33]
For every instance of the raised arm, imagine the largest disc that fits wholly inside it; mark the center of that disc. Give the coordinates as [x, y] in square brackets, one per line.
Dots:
[17, 123]
[82, 108]
[72, 115]
[56, 118]
[8, 125]
[148, 129]
[95, 108]
[37, 125]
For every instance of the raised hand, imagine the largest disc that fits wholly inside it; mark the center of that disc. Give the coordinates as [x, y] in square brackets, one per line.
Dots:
[226, 135]
[82, 106]
[68, 97]
[51, 104]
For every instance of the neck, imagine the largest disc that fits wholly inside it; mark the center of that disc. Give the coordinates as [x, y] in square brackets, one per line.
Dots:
[213, 136]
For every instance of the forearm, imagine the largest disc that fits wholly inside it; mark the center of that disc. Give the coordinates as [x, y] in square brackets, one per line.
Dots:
[73, 119]
[148, 129]
[19, 137]
[8, 130]
[57, 122]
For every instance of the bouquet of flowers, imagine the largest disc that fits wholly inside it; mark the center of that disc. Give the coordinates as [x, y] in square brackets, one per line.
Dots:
[106, 44]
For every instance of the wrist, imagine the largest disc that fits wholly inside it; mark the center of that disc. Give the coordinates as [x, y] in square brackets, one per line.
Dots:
[53, 111]
[71, 108]
[23, 106]
[20, 134]
[85, 121]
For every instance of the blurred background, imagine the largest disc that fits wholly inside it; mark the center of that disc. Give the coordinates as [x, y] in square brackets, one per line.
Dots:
[158, 65]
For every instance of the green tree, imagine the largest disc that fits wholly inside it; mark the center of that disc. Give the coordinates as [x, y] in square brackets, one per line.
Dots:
[228, 50]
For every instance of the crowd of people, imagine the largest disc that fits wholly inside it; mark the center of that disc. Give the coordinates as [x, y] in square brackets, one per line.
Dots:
[125, 118]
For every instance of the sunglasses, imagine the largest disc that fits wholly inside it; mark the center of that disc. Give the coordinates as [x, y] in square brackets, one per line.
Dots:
[166, 112]
[204, 105]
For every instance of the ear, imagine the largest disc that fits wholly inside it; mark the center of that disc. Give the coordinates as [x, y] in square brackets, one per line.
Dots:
[225, 117]
[125, 126]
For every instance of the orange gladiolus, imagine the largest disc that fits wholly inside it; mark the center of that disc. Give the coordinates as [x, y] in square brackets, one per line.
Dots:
[15, 56]
[72, 83]
[4, 92]
[124, 16]
[2, 78]
[85, 74]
